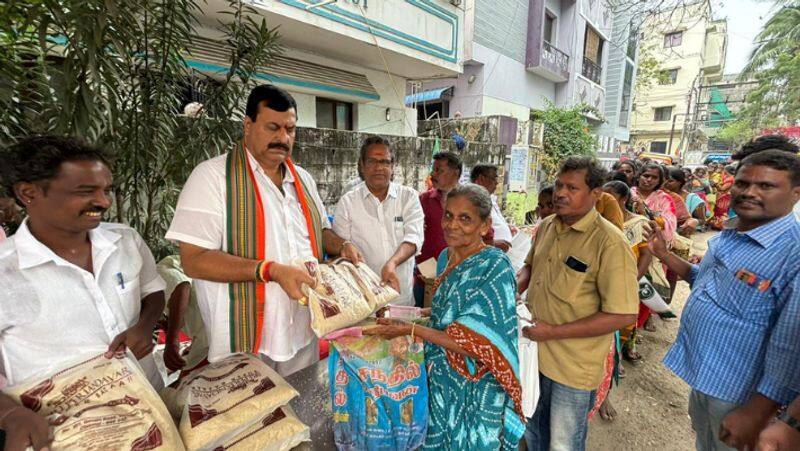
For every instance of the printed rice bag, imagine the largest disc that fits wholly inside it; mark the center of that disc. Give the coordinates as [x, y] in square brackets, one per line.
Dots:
[379, 390]
[335, 302]
[369, 284]
[223, 399]
[101, 404]
[279, 430]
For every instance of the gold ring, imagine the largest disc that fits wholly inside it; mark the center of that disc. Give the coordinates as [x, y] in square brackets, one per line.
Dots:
[303, 301]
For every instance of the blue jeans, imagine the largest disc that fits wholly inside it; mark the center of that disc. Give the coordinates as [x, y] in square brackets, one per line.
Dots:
[561, 419]
[707, 414]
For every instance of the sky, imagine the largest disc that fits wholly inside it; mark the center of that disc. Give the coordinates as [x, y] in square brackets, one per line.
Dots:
[745, 19]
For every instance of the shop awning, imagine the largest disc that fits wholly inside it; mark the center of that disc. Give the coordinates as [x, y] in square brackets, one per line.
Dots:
[428, 96]
[210, 56]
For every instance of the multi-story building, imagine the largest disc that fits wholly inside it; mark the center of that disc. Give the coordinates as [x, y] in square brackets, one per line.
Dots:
[347, 62]
[520, 55]
[619, 82]
[690, 47]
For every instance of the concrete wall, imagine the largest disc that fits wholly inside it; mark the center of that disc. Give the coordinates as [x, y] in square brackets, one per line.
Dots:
[502, 86]
[501, 26]
[369, 117]
[331, 157]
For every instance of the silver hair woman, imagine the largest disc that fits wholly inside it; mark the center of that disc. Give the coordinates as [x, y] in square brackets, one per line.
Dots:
[471, 338]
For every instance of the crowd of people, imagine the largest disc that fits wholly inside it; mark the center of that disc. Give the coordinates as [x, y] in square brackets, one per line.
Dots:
[71, 284]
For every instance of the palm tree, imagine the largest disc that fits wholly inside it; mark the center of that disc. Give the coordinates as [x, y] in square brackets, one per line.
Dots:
[775, 65]
[780, 34]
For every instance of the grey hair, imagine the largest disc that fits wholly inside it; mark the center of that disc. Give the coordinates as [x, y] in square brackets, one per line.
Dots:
[477, 196]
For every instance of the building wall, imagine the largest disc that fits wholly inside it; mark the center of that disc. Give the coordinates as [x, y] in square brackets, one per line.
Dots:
[618, 61]
[424, 30]
[687, 58]
[368, 116]
[331, 157]
[501, 25]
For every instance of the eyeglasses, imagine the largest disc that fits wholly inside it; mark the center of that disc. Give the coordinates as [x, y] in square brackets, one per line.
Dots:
[372, 162]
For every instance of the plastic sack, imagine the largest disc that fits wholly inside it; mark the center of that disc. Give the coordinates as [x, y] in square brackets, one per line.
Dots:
[379, 390]
[101, 404]
[369, 284]
[279, 430]
[336, 301]
[225, 398]
[528, 364]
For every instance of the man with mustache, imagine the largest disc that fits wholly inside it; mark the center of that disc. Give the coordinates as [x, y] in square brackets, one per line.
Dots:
[71, 286]
[384, 219]
[738, 345]
[242, 219]
[444, 177]
[581, 280]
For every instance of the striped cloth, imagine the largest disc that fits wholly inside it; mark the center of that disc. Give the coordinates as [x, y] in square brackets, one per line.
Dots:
[740, 329]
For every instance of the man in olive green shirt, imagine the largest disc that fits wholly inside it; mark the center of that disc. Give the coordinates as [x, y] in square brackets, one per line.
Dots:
[581, 282]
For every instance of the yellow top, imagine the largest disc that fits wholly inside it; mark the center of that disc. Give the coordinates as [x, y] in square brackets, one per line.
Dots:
[560, 294]
[608, 208]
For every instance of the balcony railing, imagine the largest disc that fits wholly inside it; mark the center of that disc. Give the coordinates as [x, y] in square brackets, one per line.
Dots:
[591, 70]
[554, 59]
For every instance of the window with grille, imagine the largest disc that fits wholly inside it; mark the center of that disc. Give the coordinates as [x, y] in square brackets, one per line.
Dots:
[658, 147]
[673, 39]
[334, 114]
[668, 77]
[663, 113]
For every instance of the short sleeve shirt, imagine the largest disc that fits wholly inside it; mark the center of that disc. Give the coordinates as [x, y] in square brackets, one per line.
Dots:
[53, 312]
[577, 271]
[201, 219]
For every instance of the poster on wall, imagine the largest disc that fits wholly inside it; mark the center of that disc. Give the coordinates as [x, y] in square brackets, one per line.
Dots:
[518, 173]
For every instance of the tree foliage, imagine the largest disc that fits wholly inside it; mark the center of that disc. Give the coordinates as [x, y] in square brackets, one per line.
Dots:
[566, 132]
[115, 73]
[649, 70]
[775, 65]
[736, 133]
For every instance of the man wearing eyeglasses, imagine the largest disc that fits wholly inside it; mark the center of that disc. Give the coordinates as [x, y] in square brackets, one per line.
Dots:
[383, 219]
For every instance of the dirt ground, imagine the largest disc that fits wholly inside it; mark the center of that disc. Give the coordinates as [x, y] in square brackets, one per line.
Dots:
[651, 402]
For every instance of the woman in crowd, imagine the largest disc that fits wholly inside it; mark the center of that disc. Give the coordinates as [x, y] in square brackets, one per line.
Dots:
[674, 186]
[651, 200]
[630, 169]
[635, 231]
[471, 353]
[723, 181]
[649, 193]
[700, 184]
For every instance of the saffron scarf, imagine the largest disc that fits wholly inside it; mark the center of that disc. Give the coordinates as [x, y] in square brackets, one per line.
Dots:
[246, 238]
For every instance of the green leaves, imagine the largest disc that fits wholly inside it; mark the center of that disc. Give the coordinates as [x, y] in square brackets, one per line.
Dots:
[775, 65]
[115, 74]
[566, 132]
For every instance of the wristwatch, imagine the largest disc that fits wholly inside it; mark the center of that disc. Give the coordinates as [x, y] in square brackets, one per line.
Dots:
[793, 422]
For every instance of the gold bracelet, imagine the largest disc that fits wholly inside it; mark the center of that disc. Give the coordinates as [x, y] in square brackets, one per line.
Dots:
[413, 325]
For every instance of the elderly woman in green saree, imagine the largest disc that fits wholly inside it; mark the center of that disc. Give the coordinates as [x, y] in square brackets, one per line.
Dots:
[471, 346]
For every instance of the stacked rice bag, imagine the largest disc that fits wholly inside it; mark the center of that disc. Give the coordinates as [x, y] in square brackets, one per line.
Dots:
[240, 403]
[100, 404]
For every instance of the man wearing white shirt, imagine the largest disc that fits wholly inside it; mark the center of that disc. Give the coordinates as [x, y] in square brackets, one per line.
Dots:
[71, 286]
[383, 219]
[242, 220]
[486, 176]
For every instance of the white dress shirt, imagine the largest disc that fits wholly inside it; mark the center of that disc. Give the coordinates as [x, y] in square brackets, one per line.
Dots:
[53, 313]
[502, 232]
[378, 228]
[201, 218]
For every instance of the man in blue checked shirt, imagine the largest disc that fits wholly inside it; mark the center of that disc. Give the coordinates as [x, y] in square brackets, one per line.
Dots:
[739, 339]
